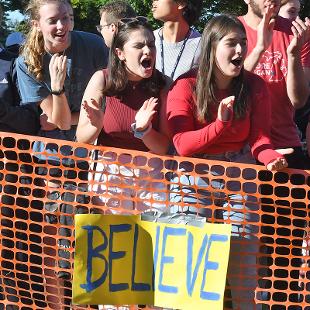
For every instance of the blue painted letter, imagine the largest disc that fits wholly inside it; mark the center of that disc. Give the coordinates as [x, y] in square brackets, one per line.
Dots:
[94, 253]
[155, 258]
[211, 266]
[114, 287]
[137, 286]
[168, 259]
[191, 279]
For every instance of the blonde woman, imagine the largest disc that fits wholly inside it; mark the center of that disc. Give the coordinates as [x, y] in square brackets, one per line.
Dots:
[53, 70]
[56, 65]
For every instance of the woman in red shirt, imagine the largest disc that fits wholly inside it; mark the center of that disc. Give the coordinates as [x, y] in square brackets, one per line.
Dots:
[133, 117]
[221, 112]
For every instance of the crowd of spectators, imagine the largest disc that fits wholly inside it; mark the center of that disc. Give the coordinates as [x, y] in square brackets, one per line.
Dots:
[236, 93]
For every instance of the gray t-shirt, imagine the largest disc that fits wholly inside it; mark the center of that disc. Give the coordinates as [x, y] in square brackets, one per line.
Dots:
[170, 55]
[86, 54]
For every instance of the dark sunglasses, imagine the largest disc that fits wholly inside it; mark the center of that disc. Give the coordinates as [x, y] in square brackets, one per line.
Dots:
[137, 19]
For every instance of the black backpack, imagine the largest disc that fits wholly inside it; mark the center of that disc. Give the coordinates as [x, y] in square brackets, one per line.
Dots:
[14, 117]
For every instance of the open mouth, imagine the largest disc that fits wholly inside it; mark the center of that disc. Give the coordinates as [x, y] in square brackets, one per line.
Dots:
[60, 35]
[237, 62]
[146, 63]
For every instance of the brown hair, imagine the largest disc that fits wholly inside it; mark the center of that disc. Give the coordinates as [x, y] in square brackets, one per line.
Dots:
[192, 10]
[116, 10]
[117, 79]
[218, 27]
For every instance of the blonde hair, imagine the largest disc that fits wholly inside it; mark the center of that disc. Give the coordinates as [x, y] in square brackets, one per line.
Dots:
[33, 49]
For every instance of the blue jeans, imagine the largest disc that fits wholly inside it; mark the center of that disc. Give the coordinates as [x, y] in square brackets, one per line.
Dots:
[206, 194]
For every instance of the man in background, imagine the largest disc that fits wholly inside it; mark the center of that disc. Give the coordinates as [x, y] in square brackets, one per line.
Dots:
[279, 52]
[111, 13]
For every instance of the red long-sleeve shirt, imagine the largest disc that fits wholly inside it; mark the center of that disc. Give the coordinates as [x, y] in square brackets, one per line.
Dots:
[192, 137]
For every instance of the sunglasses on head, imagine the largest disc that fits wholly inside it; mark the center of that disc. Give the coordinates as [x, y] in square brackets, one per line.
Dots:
[130, 20]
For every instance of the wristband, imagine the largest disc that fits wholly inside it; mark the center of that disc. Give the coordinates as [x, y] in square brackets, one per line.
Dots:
[140, 134]
[58, 92]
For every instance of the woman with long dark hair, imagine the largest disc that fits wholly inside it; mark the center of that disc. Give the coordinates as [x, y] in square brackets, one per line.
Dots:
[134, 114]
[222, 112]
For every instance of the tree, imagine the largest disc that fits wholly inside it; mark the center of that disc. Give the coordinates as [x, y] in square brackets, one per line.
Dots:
[3, 21]
[305, 10]
[87, 11]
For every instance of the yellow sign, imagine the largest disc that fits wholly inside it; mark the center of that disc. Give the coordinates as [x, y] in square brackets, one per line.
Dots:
[122, 260]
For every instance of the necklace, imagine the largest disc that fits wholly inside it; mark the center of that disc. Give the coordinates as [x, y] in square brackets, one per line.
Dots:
[179, 55]
[51, 55]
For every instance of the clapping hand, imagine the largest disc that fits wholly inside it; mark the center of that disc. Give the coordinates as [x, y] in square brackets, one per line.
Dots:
[265, 28]
[58, 70]
[301, 33]
[225, 109]
[145, 114]
[94, 112]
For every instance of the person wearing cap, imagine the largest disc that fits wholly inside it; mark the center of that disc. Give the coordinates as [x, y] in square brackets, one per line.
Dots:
[14, 41]
[14, 38]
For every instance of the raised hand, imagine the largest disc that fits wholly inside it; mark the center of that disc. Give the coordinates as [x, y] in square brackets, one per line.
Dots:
[265, 29]
[301, 35]
[225, 109]
[94, 112]
[145, 114]
[58, 70]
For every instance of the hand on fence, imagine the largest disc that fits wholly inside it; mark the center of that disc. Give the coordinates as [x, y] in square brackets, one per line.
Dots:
[280, 163]
[277, 164]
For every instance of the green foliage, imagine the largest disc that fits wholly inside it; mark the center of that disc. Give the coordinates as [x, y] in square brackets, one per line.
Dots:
[22, 26]
[305, 10]
[87, 11]
[3, 22]
[87, 16]
[17, 4]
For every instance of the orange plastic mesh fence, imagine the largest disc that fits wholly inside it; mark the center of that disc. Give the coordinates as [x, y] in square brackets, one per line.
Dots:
[40, 195]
